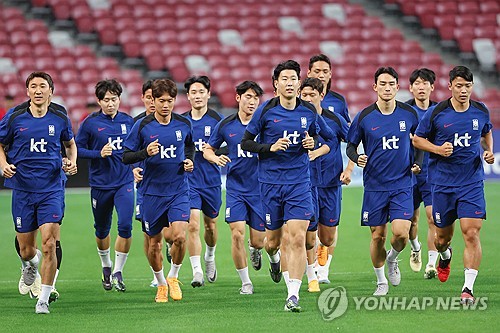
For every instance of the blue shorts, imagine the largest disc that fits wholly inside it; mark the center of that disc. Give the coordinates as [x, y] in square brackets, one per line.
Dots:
[103, 202]
[159, 212]
[313, 222]
[207, 199]
[286, 202]
[381, 206]
[138, 205]
[452, 202]
[30, 210]
[422, 193]
[329, 205]
[245, 207]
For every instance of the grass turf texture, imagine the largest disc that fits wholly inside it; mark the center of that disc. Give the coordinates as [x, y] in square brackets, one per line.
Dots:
[84, 306]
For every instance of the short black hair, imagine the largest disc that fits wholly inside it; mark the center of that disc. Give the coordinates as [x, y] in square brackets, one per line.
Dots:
[146, 86]
[203, 79]
[386, 70]
[245, 85]
[43, 75]
[111, 85]
[425, 74]
[161, 87]
[289, 64]
[463, 72]
[319, 57]
[313, 83]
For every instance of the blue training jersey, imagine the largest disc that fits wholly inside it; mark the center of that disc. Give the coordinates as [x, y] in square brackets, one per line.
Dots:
[242, 170]
[96, 131]
[335, 102]
[163, 173]
[271, 122]
[326, 169]
[35, 149]
[387, 143]
[422, 176]
[464, 130]
[205, 174]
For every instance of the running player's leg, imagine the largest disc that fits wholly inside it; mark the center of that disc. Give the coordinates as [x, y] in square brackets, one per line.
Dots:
[211, 203]
[193, 240]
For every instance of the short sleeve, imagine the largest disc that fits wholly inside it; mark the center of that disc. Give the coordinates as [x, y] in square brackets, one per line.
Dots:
[216, 139]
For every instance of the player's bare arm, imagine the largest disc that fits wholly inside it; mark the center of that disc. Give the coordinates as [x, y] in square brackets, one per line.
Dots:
[446, 149]
[8, 170]
[345, 176]
[71, 152]
[209, 155]
[487, 144]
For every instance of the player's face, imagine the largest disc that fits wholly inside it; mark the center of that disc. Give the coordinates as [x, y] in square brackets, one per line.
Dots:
[312, 96]
[421, 89]
[386, 87]
[248, 101]
[287, 84]
[164, 105]
[147, 99]
[198, 96]
[460, 89]
[39, 91]
[321, 70]
[110, 103]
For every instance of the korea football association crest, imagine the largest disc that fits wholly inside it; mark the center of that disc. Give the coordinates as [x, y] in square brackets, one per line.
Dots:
[52, 130]
[178, 135]
[124, 129]
[402, 126]
[303, 122]
[475, 124]
[207, 130]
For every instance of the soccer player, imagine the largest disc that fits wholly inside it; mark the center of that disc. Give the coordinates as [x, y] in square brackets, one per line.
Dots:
[35, 288]
[320, 67]
[286, 126]
[147, 99]
[243, 204]
[204, 181]
[32, 168]
[384, 128]
[454, 133]
[100, 139]
[421, 86]
[327, 176]
[163, 140]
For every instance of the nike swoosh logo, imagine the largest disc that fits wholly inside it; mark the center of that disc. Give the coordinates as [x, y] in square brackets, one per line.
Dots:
[375, 128]
[22, 129]
[447, 125]
[153, 136]
[478, 213]
[332, 220]
[55, 216]
[184, 215]
[101, 129]
[231, 135]
[308, 214]
[277, 120]
[406, 214]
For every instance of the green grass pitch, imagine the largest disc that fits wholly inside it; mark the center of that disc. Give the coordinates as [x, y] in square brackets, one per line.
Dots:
[85, 307]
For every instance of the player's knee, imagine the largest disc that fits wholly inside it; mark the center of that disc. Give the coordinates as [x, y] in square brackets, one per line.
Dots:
[471, 235]
[237, 236]
[210, 226]
[378, 239]
[125, 232]
[193, 228]
[273, 244]
[297, 241]
[102, 232]
[49, 247]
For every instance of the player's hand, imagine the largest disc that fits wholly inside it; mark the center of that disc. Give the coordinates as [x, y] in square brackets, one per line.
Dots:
[106, 150]
[137, 174]
[362, 159]
[489, 157]
[70, 168]
[188, 165]
[345, 177]
[446, 149]
[312, 155]
[222, 160]
[308, 141]
[153, 148]
[9, 170]
[415, 169]
[281, 144]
